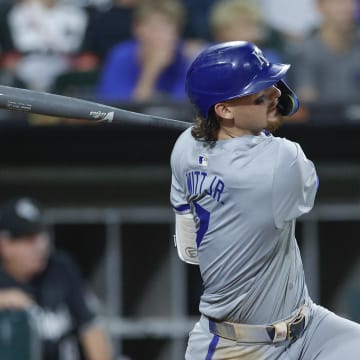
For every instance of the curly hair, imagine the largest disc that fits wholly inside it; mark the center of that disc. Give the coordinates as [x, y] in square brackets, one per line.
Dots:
[206, 129]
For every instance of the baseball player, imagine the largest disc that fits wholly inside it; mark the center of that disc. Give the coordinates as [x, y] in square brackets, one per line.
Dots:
[237, 191]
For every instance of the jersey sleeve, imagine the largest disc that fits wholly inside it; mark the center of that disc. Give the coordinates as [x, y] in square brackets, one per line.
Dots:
[178, 187]
[295, 183]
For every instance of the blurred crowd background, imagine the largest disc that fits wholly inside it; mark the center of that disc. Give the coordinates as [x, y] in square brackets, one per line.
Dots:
[138, 50]
[104, 188]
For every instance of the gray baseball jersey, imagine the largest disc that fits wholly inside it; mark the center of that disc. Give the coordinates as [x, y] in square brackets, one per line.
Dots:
[245, 194]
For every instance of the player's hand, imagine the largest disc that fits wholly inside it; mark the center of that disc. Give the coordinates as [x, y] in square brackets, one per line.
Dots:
[15, 299]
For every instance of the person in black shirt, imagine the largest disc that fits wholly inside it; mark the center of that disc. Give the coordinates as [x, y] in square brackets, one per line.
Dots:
[107, 27]
[46, 284]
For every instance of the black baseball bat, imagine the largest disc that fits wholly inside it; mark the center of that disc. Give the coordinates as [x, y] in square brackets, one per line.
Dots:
[37, 102]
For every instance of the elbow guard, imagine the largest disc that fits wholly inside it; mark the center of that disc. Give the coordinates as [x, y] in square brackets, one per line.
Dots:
[185, 238]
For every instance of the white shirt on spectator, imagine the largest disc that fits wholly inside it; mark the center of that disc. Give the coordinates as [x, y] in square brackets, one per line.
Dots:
[294, 18]
[46, 36]
[35, 27]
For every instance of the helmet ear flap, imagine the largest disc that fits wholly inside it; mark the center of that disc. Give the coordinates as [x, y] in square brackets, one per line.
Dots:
[288, 101]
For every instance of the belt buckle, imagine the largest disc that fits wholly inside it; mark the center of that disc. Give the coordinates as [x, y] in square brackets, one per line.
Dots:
[296, 321]
[281, 331]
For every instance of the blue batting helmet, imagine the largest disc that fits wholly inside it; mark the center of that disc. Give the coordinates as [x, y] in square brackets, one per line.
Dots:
[233, 69]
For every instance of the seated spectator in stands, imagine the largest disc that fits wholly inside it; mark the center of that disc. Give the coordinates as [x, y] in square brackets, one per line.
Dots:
[294, 19]
[107, 27]
[197, 19]
[232, 20]
[328, 69]
[47, 34]
[47, 285]
[197, 34]
[8, 56]
[6, 44]
[152, 66]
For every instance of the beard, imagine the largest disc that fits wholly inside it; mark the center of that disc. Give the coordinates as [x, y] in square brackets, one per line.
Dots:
[274, 122]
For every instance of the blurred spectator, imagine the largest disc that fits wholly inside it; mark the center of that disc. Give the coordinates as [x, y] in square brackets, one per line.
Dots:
[5, 38]
[242, 20]
[8, 57]
[197, 31]
[47, 34]
[109, 26]
[328, 69]
[47, 285]
[87, 3]
[197, 19]
[152, 65]
[295, 19]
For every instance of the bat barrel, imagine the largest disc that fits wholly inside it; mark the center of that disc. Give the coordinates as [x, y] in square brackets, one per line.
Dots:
[16, 99]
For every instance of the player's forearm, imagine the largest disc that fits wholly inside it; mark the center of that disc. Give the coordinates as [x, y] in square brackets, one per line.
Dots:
[96, 344]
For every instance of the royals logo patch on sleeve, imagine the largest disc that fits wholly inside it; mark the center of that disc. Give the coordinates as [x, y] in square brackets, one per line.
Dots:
[203, 160]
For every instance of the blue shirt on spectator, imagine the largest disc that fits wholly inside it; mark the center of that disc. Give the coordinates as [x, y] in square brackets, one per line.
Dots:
[122, 70]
